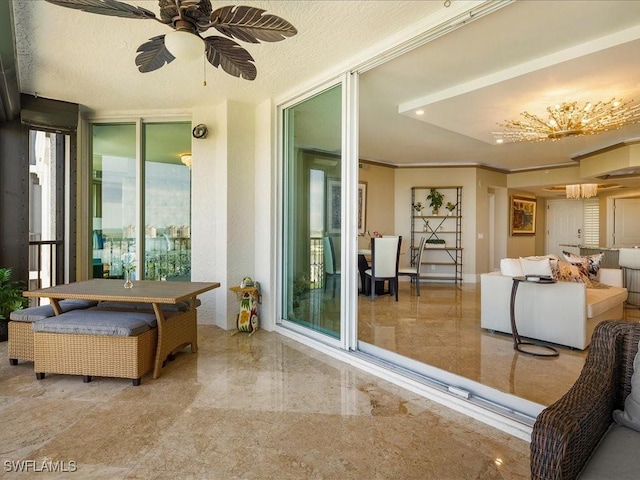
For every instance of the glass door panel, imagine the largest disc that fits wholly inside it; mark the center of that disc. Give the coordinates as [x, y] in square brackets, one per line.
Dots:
[313, 202]
[113, 190]
[167, 201]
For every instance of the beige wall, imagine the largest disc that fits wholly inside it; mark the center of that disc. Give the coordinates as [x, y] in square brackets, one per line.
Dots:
[439, 177]
[380, 200]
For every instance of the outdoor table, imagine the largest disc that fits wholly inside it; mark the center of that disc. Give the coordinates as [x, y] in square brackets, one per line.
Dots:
[174, 332]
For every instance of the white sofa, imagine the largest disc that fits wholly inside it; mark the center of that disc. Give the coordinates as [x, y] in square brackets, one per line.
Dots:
[563, 312]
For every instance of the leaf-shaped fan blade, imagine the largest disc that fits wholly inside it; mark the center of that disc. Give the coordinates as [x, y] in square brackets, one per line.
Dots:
[153, 55]
[113, 8]
[194, 11]
[250, 25]
[233, 59]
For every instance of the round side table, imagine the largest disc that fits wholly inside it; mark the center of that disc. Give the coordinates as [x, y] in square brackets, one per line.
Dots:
[530, 348]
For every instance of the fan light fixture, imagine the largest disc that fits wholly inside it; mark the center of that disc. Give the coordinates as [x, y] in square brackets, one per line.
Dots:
[570, 119]
[190, 19]
[186, 159]
[184, 45]
[584, 190]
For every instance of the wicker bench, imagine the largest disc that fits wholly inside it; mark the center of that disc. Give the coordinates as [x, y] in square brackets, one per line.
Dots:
[20, 342]
[96, 342]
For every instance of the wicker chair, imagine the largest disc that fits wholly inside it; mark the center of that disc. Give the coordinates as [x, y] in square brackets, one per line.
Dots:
[567, 432]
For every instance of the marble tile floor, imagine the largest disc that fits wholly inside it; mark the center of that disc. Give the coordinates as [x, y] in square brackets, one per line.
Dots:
[442, 328]
[259, 407]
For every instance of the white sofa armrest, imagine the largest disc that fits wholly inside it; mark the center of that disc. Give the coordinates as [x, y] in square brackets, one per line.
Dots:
[610, 276]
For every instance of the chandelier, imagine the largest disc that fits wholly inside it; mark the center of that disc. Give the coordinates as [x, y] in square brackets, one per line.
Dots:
[569, 119]
[584, 190]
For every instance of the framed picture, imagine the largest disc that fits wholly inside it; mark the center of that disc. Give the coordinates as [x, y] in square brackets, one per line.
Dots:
[523, 215]
[362, 208]
[333, 205]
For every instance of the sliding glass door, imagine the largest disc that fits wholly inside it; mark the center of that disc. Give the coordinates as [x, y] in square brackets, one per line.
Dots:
[312, 213]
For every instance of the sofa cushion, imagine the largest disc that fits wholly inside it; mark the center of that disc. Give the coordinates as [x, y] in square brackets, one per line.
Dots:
[616, 457]
[33, 314]
[630, 417]
[591, 263]
[97, 322]
[599, 300]
[510, 267]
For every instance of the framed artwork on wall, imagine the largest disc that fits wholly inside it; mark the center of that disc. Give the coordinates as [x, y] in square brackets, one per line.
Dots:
[362, 208]
[333, 205]
[523, 215]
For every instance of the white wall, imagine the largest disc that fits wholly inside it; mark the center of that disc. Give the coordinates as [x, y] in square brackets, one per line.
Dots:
[265, 207]
[223, 192]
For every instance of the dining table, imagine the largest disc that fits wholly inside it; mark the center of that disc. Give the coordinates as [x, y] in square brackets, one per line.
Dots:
[174, 331]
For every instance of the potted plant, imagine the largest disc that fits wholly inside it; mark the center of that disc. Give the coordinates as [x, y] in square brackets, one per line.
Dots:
[435, 242]
[451, 207]
[436, 198]
[10, 299]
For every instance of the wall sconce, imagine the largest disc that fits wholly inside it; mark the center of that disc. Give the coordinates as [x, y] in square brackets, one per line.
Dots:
[186, 159]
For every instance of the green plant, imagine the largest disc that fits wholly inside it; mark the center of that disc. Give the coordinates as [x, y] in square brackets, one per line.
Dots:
[10, 294]
[450, 206]
[435, 198]
[10, 299]
[435, 241]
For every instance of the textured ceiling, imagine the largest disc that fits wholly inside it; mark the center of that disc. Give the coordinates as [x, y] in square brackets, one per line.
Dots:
[526, 55]
[90, 59]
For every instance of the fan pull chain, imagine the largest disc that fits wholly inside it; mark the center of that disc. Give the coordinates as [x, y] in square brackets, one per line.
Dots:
[204, 70]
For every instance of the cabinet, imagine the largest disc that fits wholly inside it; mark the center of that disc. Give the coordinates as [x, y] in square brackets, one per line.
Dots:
[442, 256]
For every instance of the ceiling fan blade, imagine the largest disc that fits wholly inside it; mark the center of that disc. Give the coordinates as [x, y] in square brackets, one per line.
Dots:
[233, 59]
[113, 8]
[153, 55]
[250, 25]
[198, 12]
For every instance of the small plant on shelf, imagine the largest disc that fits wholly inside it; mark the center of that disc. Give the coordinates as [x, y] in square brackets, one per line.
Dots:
[418, 207]
[435, 241]
[435, 198]
[451, 207]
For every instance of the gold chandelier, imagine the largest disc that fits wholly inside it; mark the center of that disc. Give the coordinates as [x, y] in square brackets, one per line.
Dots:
[583, 190]
[569, 120]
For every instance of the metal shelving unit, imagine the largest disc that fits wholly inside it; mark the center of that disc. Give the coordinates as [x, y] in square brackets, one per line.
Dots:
[439, 263]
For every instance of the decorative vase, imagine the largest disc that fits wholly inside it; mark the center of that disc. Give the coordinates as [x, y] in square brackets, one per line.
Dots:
[127, 281]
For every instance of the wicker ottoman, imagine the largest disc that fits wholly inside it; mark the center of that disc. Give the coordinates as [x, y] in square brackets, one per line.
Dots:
[20, 343]
[94, 342]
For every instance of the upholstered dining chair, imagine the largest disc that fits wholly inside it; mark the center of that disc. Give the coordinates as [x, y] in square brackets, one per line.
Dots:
[414, 272]
[330, 269]
[385, 254]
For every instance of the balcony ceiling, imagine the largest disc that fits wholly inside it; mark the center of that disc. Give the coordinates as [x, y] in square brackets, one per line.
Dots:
[525, 56]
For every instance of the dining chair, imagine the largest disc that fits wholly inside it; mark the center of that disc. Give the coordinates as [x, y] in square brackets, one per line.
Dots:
[414, 272]
[330, 269]
[385, 254]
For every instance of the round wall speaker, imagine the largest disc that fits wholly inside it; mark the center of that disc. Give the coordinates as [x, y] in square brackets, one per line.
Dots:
[200, 131]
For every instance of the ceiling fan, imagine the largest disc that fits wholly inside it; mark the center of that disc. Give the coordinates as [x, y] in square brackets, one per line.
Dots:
[189, 18]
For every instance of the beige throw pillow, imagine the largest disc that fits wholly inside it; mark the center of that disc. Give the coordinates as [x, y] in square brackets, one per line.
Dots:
[536, 266]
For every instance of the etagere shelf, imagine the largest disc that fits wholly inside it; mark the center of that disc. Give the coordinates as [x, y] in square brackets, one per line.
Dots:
[442, 256]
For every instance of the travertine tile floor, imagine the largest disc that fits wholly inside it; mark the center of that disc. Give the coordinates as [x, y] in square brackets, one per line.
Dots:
[260, 407]
[442, 328]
